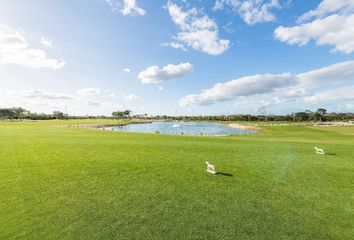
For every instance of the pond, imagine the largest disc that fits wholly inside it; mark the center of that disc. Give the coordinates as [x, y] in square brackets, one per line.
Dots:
[188, 128]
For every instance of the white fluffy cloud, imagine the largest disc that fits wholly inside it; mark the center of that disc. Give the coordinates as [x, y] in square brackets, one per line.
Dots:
[14, 49]
[126, 7]
[155, 74]
[328, 7]
[197, 31]
[127, 70]
[37, 100]
[46, 42]
[331, 96]
[175, 45]
[130, 8]
[245, 86]
[131, 97]
[335, 73]
[331, 23]
[251, 11]
[286, 85]
[88, 91]
[40, 94]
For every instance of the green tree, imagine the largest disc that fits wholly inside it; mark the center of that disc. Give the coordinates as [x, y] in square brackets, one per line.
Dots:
[320, 112]
[7, 113]
[127, 113]
[121, 114]
[58, 115]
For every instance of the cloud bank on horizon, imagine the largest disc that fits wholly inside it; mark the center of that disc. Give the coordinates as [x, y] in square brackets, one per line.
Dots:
[287, 85]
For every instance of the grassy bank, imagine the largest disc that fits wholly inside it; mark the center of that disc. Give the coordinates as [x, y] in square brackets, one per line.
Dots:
[78, 183]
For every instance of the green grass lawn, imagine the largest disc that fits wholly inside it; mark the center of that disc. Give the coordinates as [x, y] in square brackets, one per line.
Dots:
[76, 183]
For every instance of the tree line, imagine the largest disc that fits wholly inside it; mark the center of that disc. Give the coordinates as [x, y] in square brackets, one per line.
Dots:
[320, 114]
[21, 113]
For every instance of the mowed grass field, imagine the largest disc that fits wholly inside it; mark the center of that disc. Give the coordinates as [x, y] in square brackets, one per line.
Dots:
[75, 183]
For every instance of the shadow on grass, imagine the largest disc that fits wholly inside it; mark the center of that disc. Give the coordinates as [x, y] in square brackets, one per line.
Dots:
[331, 154]
[224, 174]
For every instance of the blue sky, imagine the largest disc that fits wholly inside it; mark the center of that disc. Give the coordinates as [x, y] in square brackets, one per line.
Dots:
[177, 57]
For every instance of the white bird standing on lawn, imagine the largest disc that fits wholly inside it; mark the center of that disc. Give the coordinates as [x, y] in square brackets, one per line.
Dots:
[319, 150]
[211, 168]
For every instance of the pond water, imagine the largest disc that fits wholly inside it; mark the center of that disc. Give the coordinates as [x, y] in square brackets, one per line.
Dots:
[188, 128]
